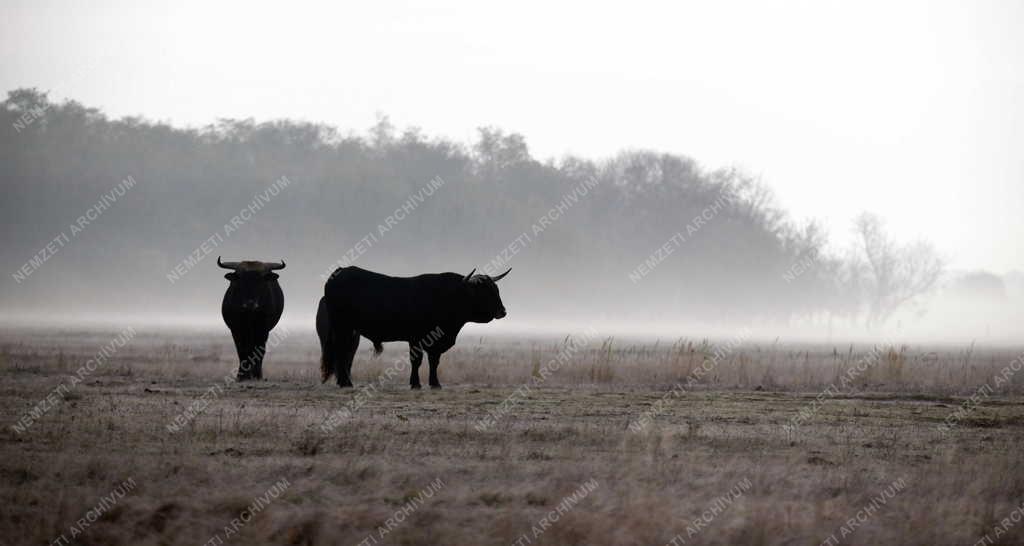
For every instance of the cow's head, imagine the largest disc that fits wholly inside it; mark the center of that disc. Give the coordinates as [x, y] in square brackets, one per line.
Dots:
[485, 301]
[248, 279]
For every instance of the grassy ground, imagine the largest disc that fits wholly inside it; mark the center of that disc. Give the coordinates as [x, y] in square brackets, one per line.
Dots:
[275, 463]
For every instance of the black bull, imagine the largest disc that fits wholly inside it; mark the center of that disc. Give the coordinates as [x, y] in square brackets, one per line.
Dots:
[426, 311]
[251, 308]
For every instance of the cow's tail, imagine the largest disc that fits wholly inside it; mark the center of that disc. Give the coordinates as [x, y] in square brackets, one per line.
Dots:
[378, 348]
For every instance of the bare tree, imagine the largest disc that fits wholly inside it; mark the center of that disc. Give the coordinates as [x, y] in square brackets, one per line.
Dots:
[895, 274]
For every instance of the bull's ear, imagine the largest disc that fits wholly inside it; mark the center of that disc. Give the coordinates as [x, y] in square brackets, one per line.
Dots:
[271, 276]
[231, 276]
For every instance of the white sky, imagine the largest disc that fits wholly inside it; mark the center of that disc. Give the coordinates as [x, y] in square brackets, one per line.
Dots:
[914, 110]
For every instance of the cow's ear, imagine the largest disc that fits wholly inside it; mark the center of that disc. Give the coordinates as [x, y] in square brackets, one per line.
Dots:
[272, 276]
[231, 276]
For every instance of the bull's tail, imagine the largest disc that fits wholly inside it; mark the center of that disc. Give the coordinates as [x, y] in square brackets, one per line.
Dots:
[378, 348]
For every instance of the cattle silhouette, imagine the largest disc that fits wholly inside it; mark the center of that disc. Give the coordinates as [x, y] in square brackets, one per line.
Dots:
[426, 311]
[251, 308]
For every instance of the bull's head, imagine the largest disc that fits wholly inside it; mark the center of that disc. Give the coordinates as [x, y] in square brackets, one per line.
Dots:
[484, 297]
[248, 280]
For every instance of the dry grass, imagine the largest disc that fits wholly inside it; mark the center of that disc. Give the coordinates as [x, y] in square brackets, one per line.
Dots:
[499, 483]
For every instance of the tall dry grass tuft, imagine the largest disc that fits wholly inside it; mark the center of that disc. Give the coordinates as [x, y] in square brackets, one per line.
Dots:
[601, 369]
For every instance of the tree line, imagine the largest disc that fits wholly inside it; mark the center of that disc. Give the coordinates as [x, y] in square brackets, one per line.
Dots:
[641, 210]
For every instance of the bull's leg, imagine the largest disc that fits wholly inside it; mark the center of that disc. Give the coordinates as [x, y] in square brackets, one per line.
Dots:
[259, 351]
[415, 358]
[248, 368]
[243, 345]
[348, 343]
[326, 335]
[351, 356]
[435, 361]
[236, 337]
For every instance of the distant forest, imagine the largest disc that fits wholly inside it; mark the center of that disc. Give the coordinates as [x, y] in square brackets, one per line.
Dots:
[749, 259]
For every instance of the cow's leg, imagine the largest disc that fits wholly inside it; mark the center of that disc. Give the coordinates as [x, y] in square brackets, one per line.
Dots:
[348, 343]
[415, 358]
[435, 361]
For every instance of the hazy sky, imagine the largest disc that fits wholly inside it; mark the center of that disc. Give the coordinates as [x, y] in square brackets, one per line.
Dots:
[914, 110]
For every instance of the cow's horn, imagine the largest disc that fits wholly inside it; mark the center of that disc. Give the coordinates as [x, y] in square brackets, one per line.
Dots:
[274, 267]
[502, 276]
[227, 265]
[470, 274]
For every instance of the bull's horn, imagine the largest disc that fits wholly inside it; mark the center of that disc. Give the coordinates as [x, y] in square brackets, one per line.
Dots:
[470, 274]
[227, 265]
[273, 267]
[502, 276]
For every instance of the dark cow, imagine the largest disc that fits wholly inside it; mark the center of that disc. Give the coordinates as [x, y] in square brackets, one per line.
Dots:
[426, 311]
[251, 308]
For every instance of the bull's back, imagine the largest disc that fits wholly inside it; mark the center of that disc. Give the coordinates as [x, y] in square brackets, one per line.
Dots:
[386, 308]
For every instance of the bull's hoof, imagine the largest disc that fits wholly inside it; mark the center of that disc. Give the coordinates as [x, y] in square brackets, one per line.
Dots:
[438, 386]
[416, 387]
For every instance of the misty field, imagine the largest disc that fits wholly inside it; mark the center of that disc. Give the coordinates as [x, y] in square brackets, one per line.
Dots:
[532, 441]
